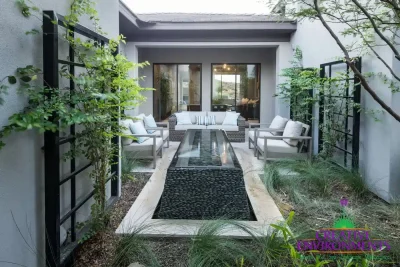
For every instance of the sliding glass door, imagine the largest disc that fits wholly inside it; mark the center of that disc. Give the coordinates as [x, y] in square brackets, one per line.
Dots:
[177, 87]
[236, 87]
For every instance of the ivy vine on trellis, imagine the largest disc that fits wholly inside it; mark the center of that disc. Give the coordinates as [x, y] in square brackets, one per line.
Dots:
[100, 93]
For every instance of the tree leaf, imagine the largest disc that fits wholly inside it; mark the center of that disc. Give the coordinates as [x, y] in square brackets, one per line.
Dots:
[26, 79]
[12, 80]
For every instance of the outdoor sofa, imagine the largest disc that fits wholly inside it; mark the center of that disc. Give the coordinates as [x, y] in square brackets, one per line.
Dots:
[235, 133]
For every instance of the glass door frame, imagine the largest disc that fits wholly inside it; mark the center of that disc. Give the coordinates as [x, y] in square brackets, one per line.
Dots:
[235, 64]
[177, 78]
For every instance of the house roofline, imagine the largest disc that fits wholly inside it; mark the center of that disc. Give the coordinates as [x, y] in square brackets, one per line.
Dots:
[220, 25]
[127, 12]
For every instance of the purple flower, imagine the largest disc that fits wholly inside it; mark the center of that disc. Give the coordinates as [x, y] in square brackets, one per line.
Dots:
[344, 202]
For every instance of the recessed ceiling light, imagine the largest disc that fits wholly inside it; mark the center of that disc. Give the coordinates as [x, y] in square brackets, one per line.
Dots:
[215, 69]
[229, 68]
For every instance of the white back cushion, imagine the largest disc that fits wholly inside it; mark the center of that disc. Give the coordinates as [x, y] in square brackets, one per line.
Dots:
[138, 128]
[292, 129]
[231, 118]
[278, 123]
[194, 114]
[183, 118]
[140, 118]
[149, 121]
[127, 131]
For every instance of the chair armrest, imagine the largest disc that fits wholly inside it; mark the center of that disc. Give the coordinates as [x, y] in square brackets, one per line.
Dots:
[268, 130]
[163, 124]
[154, 128]
[258, 124]
[287, 137]
[145, 135]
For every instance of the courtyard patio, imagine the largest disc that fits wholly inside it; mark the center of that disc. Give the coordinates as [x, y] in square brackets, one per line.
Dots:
[142, 211]
[199, 139]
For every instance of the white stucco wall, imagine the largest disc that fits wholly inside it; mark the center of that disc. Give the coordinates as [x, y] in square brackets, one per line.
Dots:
[207, 56]
[379, 148]
[131, 53]
[21, 161]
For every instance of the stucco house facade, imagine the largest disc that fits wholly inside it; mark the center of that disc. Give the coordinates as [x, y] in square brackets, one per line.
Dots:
[268, 41]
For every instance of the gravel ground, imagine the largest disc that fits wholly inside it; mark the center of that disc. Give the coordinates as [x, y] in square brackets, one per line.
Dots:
[99, 250]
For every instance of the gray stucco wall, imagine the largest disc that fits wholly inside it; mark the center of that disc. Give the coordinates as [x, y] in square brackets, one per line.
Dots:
[206, 56]
[21, 161]
[379, 145]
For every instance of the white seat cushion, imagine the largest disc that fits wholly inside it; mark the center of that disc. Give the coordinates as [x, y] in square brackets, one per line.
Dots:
[165, 133]
[193, 114]
[292, 129]
[145, 146]
[219, 116]
[251, 134]
[228, 128]
[189, 126]
[277, 146]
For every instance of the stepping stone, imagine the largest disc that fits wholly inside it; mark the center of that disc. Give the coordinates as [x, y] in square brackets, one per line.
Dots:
[135, 264]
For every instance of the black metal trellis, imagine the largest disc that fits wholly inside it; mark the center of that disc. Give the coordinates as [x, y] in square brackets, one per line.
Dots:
[351, 129]
[55, 254]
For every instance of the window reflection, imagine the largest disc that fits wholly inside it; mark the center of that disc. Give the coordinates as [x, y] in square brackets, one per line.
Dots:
[236, 87]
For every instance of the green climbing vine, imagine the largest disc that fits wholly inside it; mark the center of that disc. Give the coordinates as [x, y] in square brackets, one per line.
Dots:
[101, 92]
[296, 91]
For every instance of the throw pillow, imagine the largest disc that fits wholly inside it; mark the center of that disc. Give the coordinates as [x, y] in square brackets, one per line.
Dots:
[201, 120]
[139, 117]
[292, 129]
[149, 121]
[231, 118]
[138, 128]
[278, 123]
[183, 118]
[211, 120]
[127, 131]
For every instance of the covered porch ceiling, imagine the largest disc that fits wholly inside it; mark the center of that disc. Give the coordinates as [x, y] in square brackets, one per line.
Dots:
[181, 27]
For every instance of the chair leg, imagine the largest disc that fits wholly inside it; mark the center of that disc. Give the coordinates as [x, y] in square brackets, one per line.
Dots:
[249, 143]
[265, 151]
[168, 142]
[162, 151]
[154, 154]
[258, 153]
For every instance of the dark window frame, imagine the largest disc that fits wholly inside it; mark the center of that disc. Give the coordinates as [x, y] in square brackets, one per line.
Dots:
[177, 75]
[227, 63]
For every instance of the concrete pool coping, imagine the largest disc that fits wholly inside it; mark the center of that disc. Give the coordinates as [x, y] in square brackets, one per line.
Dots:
[139, 216]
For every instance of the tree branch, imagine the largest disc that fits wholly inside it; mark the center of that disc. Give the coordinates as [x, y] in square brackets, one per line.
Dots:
[350, 63]
[383, 37]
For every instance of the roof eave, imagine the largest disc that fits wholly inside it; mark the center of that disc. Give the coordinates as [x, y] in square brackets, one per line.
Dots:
[136, 21]
[270, 25]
